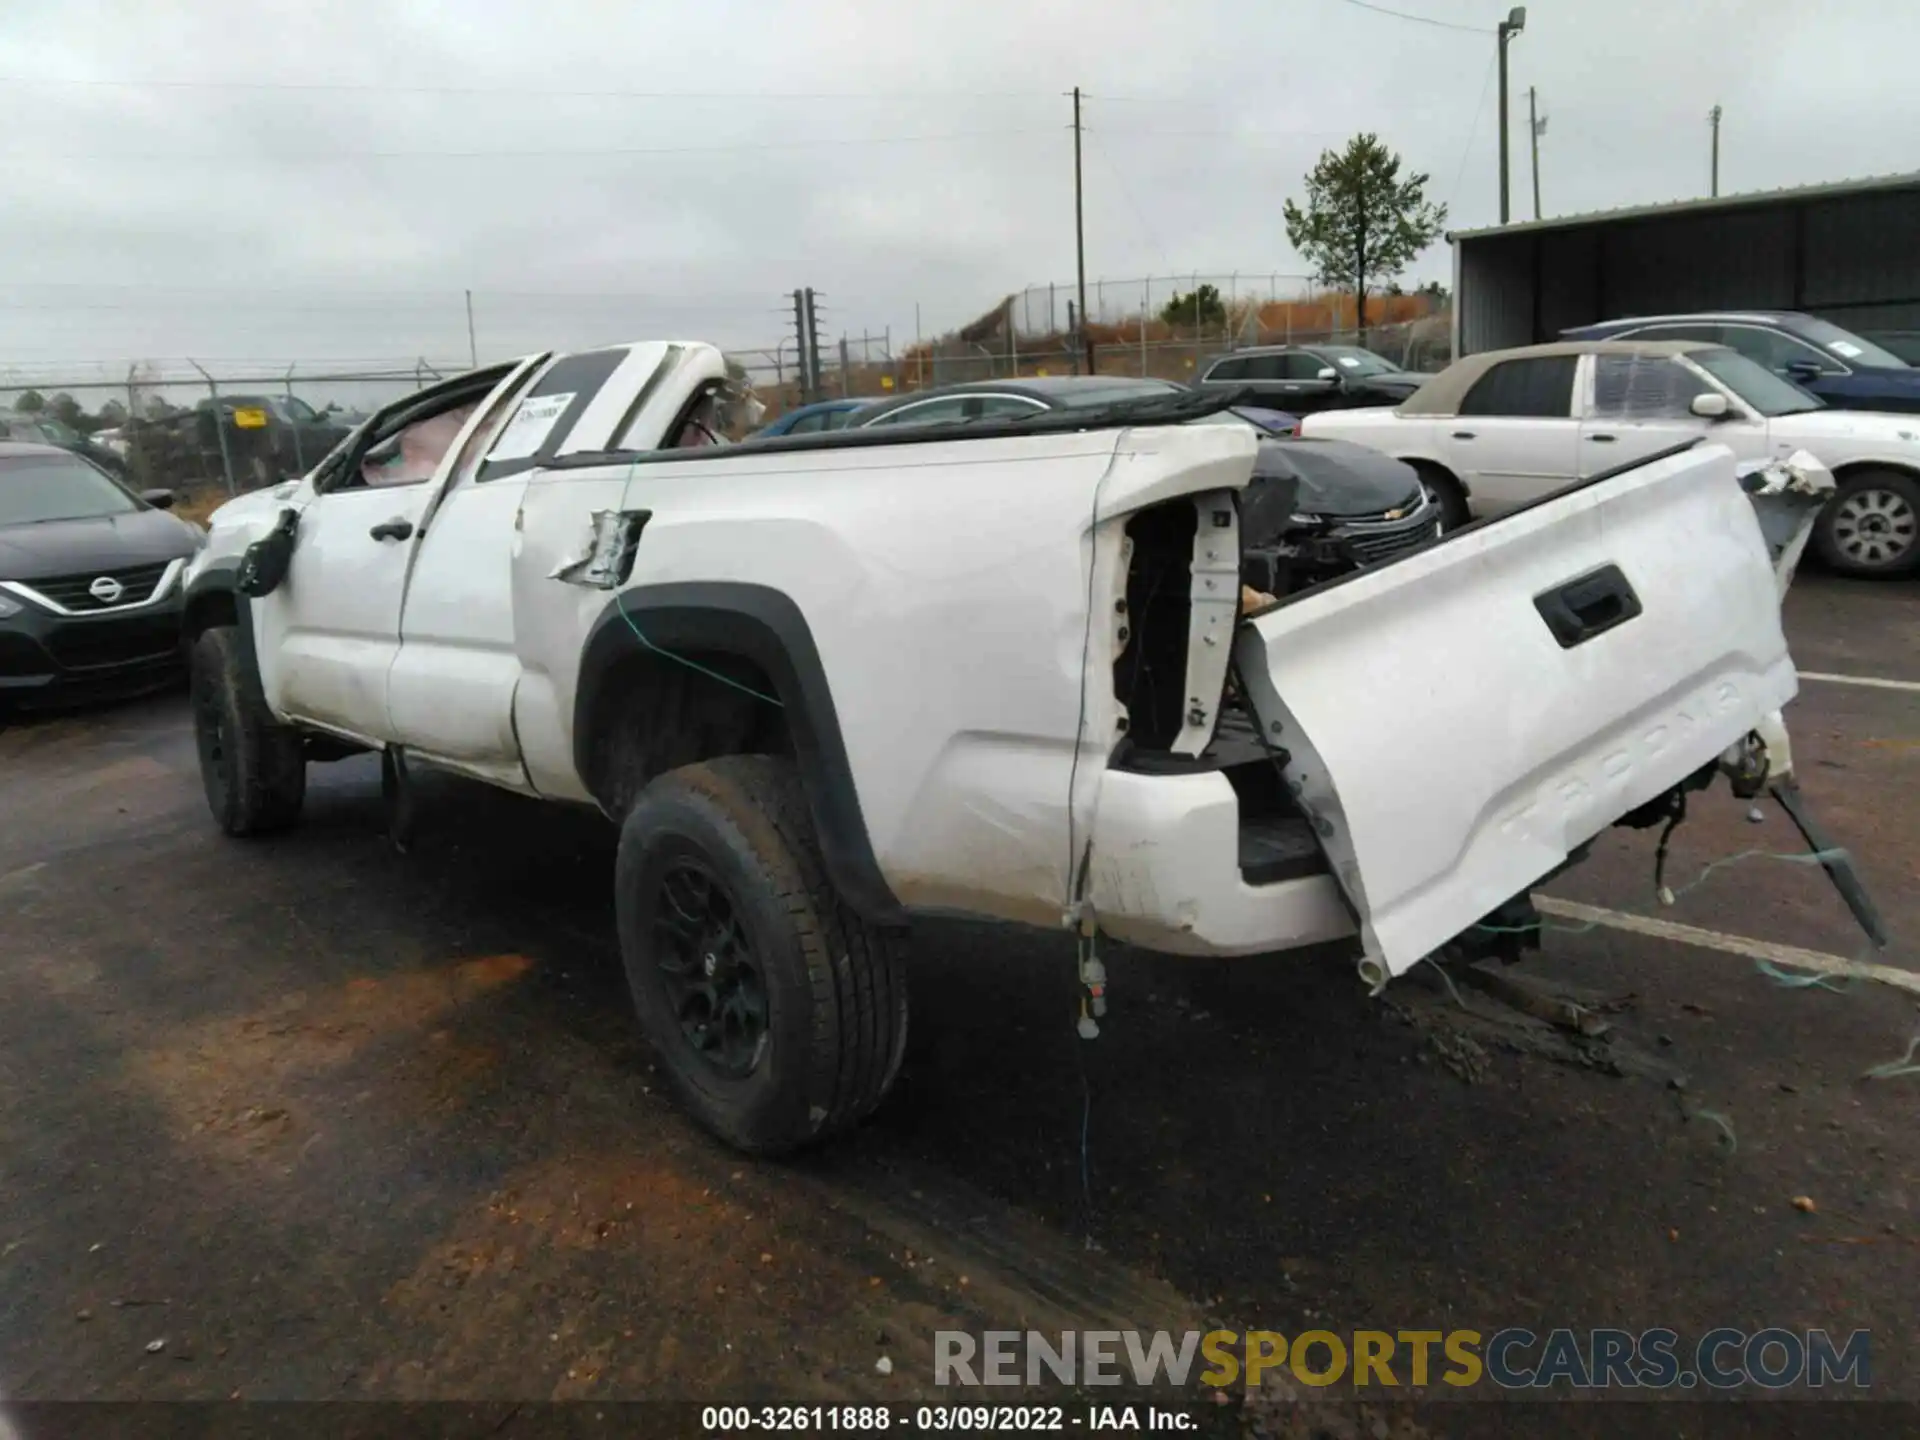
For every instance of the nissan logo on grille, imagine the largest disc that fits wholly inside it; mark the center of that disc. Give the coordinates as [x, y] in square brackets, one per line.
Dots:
[106, 589]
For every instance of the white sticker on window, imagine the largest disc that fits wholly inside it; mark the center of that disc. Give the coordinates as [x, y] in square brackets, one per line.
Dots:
[523, 435]
[1845, 347]
[1348, 361]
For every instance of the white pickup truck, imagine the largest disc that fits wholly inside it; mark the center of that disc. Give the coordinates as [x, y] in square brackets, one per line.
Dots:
[824, 682]
[1503, 428]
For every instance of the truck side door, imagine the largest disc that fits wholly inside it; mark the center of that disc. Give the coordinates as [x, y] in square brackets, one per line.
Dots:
[328, 632]
[455, 690]
[450, 691]
[1514, 437]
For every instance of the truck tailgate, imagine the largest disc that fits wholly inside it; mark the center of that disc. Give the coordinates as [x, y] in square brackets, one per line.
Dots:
[1458, 721]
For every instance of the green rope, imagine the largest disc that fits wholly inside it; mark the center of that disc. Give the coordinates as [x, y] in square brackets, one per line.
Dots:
[1810, 857]
[640, 635]
[1894, 1068]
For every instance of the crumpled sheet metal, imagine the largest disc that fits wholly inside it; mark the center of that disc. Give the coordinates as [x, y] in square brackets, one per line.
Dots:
[1787, 494]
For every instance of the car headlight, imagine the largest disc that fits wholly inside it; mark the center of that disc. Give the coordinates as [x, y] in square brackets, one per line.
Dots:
[1306, 519]
[9, 606]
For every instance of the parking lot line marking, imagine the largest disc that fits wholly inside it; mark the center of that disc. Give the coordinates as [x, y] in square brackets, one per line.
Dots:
[1872, 681]
[1815, 961]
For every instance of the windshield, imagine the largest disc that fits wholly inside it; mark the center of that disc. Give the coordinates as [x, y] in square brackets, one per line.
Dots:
[1847, 345]
[1081, 396]
[35, 488]
[1352, 360]
[1754, 383]
[298, 409]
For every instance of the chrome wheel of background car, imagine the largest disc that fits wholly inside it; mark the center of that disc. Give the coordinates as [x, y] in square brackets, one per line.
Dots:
[712, 977]
[1875, 527]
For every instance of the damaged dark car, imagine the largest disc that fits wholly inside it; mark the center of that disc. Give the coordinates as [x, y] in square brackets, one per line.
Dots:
[1318, 509]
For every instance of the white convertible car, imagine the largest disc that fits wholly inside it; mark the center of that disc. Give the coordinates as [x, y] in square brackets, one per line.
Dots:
[1495, 431]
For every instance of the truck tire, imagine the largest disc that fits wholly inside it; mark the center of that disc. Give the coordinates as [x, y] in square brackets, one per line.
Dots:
[254, 768]
[1871, 526]
[778, 1015]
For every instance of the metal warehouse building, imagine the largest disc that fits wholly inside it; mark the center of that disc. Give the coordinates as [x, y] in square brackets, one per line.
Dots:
[1848, 252]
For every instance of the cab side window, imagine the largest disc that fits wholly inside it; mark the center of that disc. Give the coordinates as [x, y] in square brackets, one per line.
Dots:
[930, 412]
[1539, 387]
[1643, 387]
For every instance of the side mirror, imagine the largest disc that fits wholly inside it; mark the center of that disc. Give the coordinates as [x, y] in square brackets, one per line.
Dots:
[1327, 372]
[1802, 370]
[159, 499]
[1710, 405]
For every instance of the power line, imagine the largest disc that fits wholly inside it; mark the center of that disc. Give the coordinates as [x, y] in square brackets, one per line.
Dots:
[363, 87]
[1126, 192]
[1473, 131]
[230, 157]
[1419, 19]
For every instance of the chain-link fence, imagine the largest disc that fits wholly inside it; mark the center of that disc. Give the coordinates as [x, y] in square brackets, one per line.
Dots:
[217, 428]
[183, 427]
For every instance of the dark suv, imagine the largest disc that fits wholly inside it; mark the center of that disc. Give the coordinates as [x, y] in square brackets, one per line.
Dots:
[268, 438]
[1841, 369]
[1302, 379]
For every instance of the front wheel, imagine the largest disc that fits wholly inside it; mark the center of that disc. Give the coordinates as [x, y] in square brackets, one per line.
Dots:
[1445, 494]
[253, 768]
[778, 1015]
[1871, 526]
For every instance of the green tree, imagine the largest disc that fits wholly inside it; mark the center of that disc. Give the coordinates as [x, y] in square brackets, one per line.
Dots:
[1202, 307]
[31, 402]
[1364, 222]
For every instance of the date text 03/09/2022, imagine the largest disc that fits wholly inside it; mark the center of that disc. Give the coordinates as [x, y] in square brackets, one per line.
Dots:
[987, 1419]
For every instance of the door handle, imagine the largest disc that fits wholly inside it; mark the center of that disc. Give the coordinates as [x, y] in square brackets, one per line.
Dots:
[1601, 439]
[1463, 434]
[1588, 605]
[393, 530]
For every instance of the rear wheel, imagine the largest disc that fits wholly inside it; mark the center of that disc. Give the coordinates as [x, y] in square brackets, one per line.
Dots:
[252, 767]
[778, 1014]
[1871, 526]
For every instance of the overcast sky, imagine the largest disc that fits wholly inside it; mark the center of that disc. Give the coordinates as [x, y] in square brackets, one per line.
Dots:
[252, 183]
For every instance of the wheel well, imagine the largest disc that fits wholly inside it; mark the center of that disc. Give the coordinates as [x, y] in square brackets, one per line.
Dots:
[655, 713]
[1867, 467]
[1437, 471]
[206, 610]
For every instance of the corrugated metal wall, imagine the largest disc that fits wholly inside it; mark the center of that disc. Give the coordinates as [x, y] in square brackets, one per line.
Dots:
[1854, 259]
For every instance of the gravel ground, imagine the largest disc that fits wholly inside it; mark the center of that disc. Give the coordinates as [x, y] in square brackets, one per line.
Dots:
[312, 1119]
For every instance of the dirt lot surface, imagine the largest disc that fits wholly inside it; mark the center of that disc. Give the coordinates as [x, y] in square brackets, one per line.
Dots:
[331, 1121]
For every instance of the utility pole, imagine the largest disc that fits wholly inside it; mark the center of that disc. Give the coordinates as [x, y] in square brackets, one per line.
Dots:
[473, 350]
[813, 343]
[1515, 22]
[807, 341]
[800, 342]
[1536, 127]
[1713, 121]
[1079, 244]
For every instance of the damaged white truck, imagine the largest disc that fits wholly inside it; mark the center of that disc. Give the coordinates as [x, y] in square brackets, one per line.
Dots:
[823, 683]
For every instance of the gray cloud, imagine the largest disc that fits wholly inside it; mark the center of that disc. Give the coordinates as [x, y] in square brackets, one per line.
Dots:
[891, 155]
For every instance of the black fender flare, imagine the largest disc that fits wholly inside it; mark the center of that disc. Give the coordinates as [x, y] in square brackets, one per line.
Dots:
[218, 586]
[764, 626]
